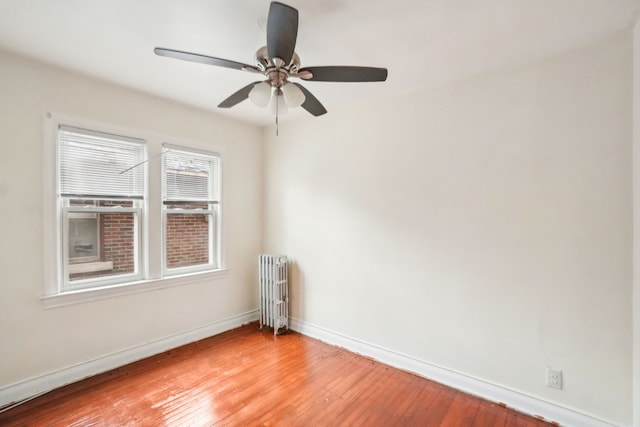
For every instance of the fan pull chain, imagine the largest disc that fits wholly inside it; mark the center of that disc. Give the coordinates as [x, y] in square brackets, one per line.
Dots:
[277, 108]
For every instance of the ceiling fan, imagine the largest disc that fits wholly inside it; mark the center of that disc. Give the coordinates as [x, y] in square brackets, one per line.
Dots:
[279, 62]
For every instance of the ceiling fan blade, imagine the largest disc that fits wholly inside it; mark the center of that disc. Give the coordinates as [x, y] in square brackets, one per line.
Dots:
[282, 31]
[344, 74]
[238, 97]
[203, 59]
[311, 103]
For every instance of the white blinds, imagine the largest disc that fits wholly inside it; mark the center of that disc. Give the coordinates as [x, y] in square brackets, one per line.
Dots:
[94, 164]
[190, 176]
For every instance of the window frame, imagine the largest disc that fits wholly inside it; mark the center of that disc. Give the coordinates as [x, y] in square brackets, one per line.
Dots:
[213, 211]
[152, 277]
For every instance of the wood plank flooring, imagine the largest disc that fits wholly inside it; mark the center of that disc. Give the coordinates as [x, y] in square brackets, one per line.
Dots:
[248, 377]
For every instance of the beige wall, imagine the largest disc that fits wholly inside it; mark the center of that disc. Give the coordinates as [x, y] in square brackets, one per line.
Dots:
[484, 226]
[35, 341]
[636, 217]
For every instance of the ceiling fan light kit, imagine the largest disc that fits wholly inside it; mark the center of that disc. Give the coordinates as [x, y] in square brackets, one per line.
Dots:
[293, 95]
[279, 62]
[260, 94]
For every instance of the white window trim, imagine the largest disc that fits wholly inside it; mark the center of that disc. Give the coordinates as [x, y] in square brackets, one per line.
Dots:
[88, 295]
[152, 271]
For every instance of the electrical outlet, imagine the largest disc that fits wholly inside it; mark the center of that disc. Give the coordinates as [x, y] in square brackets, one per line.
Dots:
[554, 378]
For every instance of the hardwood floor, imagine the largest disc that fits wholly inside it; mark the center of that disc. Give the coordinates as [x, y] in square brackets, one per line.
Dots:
[248, 377]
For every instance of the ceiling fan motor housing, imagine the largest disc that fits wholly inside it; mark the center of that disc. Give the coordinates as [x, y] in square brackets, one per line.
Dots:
[276, 74]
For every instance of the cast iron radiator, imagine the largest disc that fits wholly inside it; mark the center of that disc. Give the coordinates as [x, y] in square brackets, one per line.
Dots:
[274, 292]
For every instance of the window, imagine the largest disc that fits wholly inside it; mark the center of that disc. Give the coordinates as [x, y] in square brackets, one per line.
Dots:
[101, 199]
[126, 212]
[190, 198]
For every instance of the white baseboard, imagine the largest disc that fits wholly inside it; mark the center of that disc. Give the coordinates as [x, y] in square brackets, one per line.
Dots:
[494, 393]
[35, 386]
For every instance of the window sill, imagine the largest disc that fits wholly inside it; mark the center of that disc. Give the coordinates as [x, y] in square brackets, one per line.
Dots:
[86, 295]
[90, 267]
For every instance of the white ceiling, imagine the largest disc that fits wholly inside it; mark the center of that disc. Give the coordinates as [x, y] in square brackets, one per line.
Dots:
[421, 42]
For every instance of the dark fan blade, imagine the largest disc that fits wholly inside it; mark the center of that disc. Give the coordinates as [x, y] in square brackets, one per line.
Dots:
[311, 103]
[345, 74]
[282, 31]
[237, 97]
[203, 59]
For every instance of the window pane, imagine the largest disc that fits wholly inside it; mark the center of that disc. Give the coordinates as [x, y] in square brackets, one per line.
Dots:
[188, 238]
[114, 247]
[83, 237]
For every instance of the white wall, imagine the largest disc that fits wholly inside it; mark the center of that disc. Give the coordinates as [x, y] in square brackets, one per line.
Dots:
[35, 341]
[484, 226]
[636, 225]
